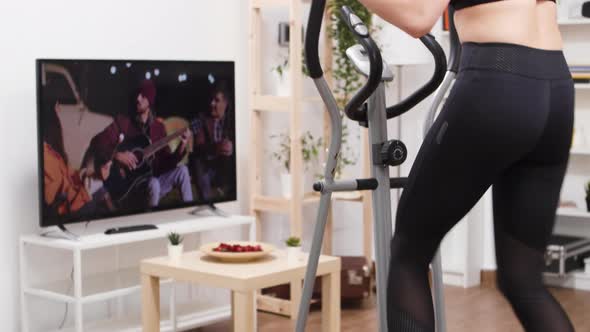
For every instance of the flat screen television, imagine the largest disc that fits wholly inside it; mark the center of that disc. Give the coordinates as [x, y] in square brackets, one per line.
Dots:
[121, 137]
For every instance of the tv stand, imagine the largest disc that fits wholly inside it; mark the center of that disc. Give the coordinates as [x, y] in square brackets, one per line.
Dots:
[117, 283]
[61, 233]
[211, 208]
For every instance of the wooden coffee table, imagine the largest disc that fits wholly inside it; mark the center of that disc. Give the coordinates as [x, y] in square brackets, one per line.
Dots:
[243, 279]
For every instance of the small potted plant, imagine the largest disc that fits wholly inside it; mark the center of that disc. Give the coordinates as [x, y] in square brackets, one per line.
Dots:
[588, 196]
[293, 248]
[175, 247]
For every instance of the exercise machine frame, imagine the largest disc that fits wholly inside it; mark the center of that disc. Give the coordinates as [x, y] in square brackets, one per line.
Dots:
[368, 107]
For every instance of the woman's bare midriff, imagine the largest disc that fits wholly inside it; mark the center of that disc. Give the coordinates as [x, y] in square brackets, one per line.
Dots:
[526, 22]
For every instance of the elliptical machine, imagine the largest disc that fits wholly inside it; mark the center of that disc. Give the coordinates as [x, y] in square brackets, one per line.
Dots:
[368, 108]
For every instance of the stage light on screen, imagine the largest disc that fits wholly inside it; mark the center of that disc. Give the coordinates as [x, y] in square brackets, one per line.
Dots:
[128, 65]
[182, 77]
[113, 70]
[157, 72]
[211, 78]
[148, 75]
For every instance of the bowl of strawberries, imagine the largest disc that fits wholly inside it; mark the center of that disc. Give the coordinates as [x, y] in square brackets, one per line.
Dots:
[237, 251]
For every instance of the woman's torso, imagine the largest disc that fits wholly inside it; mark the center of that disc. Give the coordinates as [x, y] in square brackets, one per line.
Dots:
[526, 22]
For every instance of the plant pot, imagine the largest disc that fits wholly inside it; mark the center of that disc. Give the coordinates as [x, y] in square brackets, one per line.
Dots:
[286, 185]
[293, 254]
[175, 252]
[284, 84]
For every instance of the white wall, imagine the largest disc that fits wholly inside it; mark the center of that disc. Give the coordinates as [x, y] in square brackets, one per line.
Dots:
[175, 29]
[195, 30]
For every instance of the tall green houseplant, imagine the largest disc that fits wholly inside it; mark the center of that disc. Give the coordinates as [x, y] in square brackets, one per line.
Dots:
[346, 79]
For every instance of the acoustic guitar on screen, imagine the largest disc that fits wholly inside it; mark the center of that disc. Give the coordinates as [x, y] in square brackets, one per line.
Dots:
[123, 180]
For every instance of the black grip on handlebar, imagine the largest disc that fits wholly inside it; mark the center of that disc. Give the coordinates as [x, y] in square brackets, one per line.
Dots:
[440, 68]
[455, 49]
[312, 38]
[353, 109]
[366, 184]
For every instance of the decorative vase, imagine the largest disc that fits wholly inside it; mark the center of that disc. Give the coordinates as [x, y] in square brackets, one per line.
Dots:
[286, 185]
[175, 252]
[284, 84]
[293, 254]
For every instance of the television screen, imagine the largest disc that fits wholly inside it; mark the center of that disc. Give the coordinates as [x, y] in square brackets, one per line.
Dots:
[120, 137]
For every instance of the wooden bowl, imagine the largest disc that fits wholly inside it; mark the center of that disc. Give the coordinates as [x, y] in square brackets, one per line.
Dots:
[237, 256]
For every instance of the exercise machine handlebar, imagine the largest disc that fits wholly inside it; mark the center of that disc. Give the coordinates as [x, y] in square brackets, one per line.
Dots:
[312, 38]
[358, 184]
[354, 109]
[440, 68]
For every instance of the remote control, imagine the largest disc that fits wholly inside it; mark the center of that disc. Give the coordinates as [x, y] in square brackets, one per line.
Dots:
[127, 229]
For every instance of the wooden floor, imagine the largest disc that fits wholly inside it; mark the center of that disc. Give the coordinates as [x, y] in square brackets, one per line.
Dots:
[474, 309]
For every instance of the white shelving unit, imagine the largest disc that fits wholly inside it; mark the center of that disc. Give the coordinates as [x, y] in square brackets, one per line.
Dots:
[574, 221]
[577, 280]
[574, 213]
[188, 316]
[571, 21]
[580, 151]
[84, 289]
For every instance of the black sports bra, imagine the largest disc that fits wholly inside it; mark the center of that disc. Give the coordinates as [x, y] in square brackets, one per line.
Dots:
[460, 4]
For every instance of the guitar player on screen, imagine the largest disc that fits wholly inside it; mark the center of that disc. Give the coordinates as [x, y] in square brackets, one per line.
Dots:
[150, 180]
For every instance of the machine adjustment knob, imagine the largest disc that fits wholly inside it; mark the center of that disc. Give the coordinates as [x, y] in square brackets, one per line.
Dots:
[393, 153]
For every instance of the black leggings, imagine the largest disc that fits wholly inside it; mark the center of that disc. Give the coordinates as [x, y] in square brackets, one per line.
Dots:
[507, 123]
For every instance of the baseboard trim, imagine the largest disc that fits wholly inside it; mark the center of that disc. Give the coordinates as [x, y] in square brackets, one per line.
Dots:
[488, 279]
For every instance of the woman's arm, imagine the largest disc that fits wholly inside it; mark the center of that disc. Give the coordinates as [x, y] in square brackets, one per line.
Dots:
[415, 17]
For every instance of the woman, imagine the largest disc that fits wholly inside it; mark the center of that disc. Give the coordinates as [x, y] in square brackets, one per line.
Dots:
[64, 191]
[507, 123]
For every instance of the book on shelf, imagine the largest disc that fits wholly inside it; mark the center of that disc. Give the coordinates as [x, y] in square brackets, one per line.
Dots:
[579, 69]
[580, 73]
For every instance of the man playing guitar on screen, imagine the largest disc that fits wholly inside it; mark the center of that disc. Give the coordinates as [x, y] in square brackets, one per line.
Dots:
[163, 174]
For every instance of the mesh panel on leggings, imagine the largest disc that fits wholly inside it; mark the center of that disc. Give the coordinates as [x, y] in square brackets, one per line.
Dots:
[519, 279]
[513, 58]
[400, 321]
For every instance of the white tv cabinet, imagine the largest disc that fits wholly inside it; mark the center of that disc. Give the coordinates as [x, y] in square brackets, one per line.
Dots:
[110, 286]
